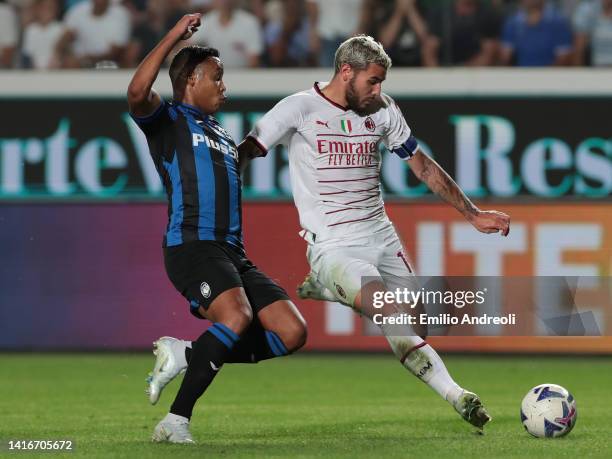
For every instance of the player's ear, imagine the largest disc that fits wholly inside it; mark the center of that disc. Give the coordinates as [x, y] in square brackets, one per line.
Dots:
[346, 71]
[198, 71]
[192, 79]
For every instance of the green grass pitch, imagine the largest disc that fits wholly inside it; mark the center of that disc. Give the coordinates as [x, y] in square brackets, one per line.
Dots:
[303, 406]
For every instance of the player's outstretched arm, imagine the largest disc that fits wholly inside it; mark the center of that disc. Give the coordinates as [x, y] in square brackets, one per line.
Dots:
[248, 150]
[142, 99]
[438, 181]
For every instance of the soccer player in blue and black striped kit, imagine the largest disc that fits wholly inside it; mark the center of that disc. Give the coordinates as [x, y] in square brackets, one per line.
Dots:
[252, 317]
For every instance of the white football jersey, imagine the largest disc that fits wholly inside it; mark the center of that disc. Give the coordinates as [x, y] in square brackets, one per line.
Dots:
[334, 160]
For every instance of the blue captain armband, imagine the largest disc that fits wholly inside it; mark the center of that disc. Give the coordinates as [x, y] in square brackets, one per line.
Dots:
[408, 149]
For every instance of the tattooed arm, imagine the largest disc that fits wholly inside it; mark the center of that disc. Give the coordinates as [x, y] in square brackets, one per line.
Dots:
[438, 181]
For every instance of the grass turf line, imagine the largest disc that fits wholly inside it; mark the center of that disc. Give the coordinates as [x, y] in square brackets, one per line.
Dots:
[301, 406]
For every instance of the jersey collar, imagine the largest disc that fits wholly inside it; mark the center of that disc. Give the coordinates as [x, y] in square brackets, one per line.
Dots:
[191, 109]
[319, 92]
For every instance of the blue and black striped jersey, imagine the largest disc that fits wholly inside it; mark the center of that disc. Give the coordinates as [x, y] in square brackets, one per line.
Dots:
[197, 161]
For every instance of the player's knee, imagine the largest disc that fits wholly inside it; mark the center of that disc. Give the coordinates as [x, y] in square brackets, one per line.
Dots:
[238, 319]
[294, 335]
[243, 318]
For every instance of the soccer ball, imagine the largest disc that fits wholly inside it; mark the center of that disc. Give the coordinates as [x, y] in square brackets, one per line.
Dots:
[548, 410]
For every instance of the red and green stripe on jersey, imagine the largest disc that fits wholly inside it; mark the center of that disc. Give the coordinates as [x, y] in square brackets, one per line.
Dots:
[346, 126]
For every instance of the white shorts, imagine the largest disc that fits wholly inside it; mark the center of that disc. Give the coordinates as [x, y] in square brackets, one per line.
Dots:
[341, 268]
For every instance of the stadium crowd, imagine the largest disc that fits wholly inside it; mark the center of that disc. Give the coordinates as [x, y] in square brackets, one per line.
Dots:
[52, 34]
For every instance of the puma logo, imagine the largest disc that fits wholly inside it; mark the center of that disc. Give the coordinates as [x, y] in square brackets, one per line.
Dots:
[323, 123]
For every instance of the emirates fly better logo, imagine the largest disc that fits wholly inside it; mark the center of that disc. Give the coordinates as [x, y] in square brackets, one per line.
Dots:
[346, 126]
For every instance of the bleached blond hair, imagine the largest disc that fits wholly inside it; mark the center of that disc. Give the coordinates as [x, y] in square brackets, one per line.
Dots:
[360, 51]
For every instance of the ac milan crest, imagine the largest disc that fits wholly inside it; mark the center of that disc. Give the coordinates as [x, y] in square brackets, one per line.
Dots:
[369, 124]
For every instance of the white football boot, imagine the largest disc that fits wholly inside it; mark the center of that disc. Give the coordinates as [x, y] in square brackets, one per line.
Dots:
[469, 406]
[169, 363]
[312, 289]
[172, 431]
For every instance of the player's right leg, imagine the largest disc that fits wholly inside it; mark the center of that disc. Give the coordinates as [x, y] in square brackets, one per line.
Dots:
[230, 314]
[204, 273]
[420, 359]
[344, 270]
[413, 351]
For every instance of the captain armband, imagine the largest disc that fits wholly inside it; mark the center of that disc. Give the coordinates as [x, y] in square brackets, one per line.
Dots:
[408, 149]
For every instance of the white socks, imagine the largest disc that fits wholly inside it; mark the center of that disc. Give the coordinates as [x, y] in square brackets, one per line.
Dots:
[422, 360]
[435, 373]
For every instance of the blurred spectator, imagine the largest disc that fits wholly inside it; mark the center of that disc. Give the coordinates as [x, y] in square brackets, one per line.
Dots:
[9, 34]
[256, 7]
[234, 32]
[566, 7]
[593, 27]
[173, 11]
[287, 37]
[399, 26]
[70, 3]
[466, 34]
[41, 36]
[97, 30]
[332, 22]
[537, 35]
[137, 10]
[201, 6]
[148, 28]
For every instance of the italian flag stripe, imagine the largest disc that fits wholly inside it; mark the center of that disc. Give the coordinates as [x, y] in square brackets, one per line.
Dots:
[346, 126]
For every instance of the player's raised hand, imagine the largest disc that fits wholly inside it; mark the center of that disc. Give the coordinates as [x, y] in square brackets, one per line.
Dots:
[188, 25]
[491, 221]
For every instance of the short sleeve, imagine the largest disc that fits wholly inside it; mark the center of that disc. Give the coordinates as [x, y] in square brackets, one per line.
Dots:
[121, 22]
[253, 36]
[163, 116]
[9, 33]
[28, 46]
[509, 34]
[490, 25]
[202, 35]
[72, 17]
[583, 18]
[435, 22]
[398, 138]
[284, 118]
[563, 37]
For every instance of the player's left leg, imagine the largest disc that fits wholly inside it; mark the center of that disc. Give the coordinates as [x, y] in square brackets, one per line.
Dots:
[283, 325]
[278, 328]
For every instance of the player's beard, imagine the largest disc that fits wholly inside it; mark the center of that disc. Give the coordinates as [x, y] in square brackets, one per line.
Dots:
[352, 99]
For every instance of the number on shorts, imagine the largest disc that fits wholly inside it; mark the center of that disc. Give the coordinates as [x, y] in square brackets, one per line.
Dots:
[403, 257]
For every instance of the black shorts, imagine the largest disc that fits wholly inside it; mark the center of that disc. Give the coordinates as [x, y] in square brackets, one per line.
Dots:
[202, 270]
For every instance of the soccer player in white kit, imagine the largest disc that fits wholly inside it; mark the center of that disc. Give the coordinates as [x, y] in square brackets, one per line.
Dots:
[333, 132]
